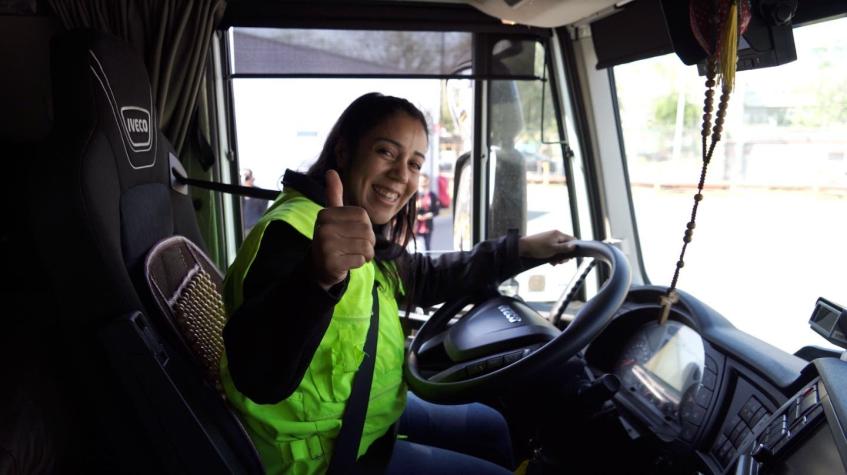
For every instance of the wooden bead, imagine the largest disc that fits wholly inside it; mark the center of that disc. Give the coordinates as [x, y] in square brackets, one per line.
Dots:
[710, 92]
[710, 83]
[718, 128]
[691, 225]
[719, 120]
[716, 136]
[698, 197]
[680, 264]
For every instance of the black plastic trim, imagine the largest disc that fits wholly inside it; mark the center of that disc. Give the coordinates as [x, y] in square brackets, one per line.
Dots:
[515, 77]
[833, 373]
[187, 422]
[408, 16]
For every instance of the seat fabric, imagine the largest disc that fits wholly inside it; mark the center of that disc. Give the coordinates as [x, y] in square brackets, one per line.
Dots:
[106, 200]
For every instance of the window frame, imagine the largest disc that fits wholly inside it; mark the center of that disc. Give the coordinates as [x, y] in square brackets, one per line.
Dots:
[485, 32]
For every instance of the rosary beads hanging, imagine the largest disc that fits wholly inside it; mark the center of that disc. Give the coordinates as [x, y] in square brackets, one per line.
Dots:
[724, 59]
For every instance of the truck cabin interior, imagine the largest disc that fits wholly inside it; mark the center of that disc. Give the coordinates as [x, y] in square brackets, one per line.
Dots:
[114, 263]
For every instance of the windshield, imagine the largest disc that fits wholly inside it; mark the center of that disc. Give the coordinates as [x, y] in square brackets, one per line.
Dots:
[768, 240]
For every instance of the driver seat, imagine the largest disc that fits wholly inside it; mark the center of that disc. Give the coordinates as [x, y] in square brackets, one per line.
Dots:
[107, 200]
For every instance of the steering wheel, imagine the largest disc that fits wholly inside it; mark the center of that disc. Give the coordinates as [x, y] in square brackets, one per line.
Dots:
[501, 337]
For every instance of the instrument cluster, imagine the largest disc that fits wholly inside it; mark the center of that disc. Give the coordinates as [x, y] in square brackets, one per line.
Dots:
[662, 367]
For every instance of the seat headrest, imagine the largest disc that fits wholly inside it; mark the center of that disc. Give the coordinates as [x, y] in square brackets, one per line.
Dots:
[100, 81]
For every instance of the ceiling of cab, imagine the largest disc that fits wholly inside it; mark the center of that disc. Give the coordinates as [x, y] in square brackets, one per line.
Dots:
[544, 13]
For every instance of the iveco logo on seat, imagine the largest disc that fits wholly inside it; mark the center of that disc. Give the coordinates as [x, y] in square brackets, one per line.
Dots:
[510, 314]
[136, 123]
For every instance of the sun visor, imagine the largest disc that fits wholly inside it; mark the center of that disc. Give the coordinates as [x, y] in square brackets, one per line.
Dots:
[638, 31]
[647, 28]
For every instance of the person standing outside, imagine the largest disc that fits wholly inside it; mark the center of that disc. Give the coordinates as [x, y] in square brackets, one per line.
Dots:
[251, 208]
[428, 207]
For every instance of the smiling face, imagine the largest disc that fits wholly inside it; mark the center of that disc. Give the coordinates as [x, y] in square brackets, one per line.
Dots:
[385, 168]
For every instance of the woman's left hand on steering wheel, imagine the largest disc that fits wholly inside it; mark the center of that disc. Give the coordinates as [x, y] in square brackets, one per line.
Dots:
[546, 245]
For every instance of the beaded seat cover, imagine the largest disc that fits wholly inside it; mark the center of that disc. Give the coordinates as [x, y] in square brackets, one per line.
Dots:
[200, 317]
[187, 288]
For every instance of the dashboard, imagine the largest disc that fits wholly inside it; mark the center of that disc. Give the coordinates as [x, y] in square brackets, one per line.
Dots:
[664, 366]
[702, 387]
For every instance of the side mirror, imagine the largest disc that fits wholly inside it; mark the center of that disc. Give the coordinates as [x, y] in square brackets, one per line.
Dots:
[507, 192]
[462, 203]
[830, 321]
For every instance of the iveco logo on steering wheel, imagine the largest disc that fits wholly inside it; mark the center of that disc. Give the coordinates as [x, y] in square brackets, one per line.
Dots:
[510, 314]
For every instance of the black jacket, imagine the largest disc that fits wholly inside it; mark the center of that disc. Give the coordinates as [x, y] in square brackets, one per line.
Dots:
[271, 338]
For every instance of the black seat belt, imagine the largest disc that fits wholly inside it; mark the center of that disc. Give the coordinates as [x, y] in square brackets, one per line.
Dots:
[249, 191]
[350, 435]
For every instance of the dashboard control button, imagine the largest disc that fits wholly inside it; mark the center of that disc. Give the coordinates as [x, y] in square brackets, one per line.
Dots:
[709, 380]
[776, 435]
[762, 453]
[494, 363]
[794, 413]
[689, 431]
[721, 449]
[475, 369]
[739, 434]
[725, 453]
[711, 364]
[807, 401]
[703, 396]
[798, 424]
[731, 425]
[512, 357]
[693, 414]
[758, 417]
[749, 410]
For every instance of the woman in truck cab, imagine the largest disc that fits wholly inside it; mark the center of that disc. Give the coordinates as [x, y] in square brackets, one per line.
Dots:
[306, 281]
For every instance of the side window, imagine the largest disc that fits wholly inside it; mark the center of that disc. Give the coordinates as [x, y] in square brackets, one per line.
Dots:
[289, 87]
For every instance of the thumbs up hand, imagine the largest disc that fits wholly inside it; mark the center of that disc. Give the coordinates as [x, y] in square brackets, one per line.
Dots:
[334, 190]
[343, 237]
